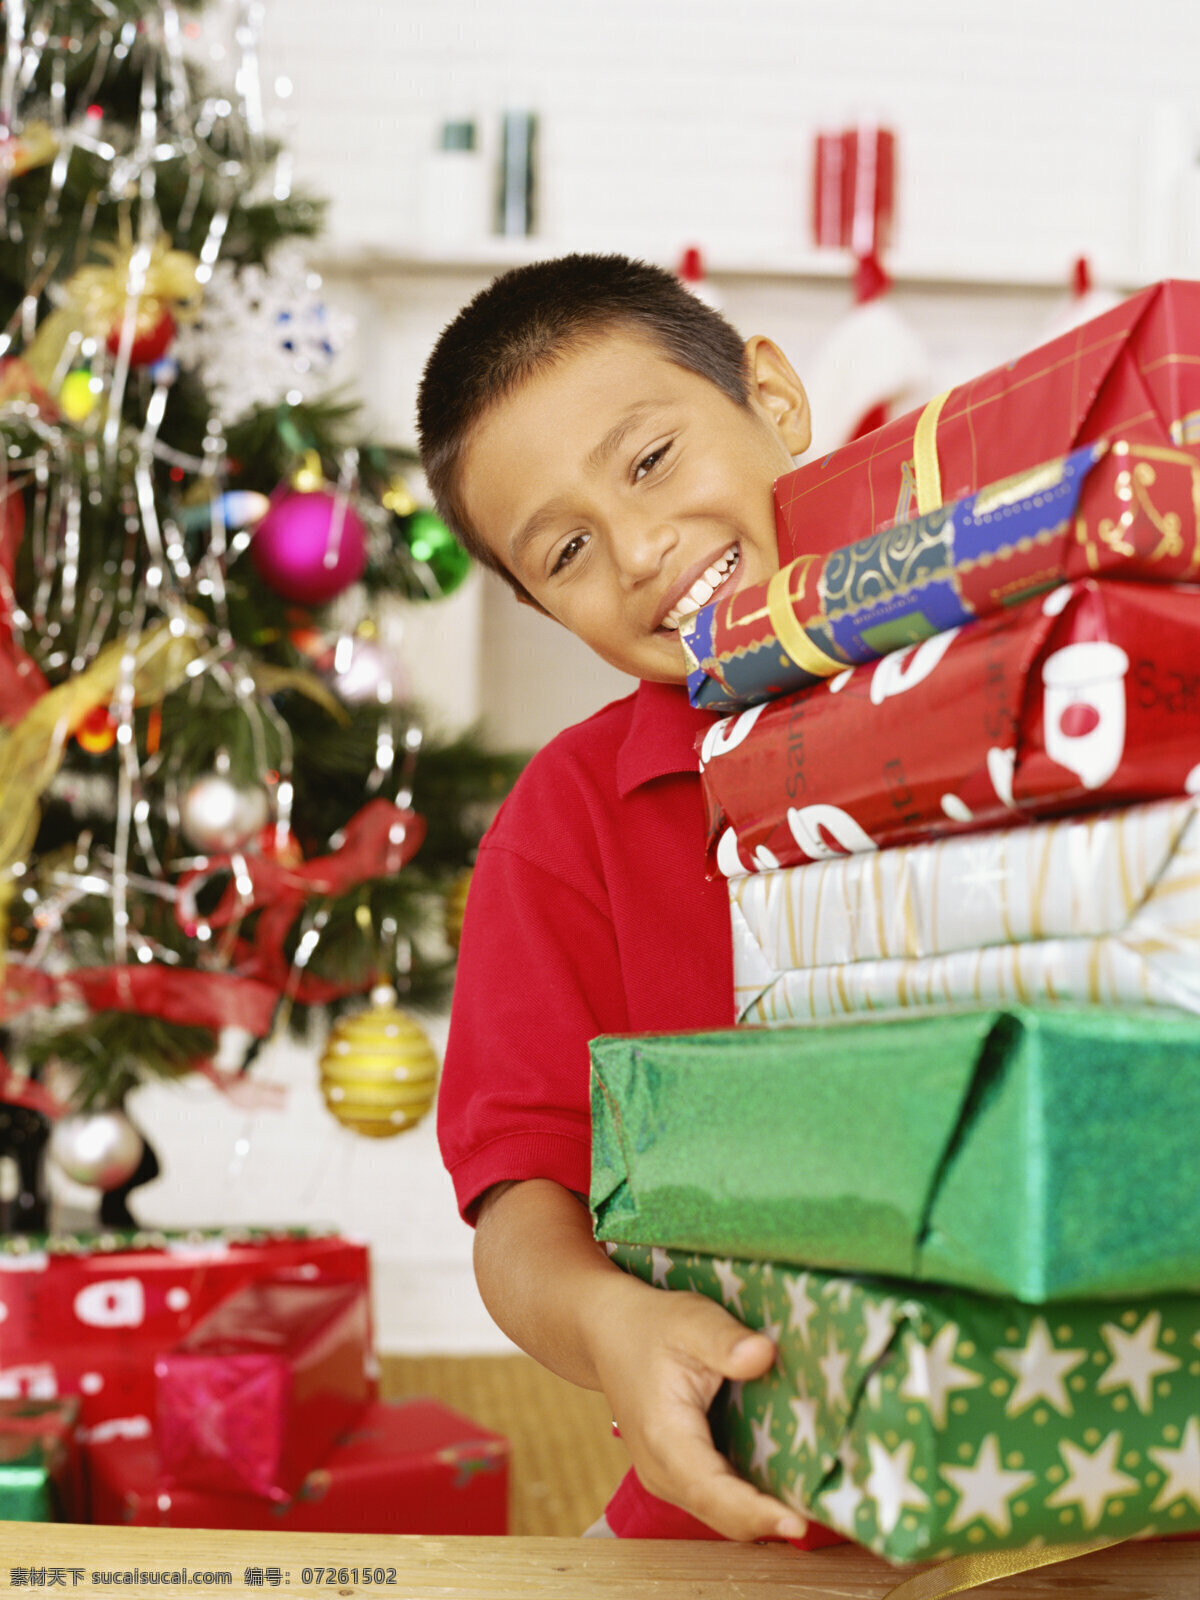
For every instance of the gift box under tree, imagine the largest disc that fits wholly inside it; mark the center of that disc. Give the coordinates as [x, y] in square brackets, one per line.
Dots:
[410, 1466]
[88, 1314]
[255, 1395]
[40, 1468]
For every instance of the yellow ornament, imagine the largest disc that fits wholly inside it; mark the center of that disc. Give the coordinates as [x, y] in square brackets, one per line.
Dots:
[77, 397]
[378, 1071]
[309, 476]
[397, 498]
[456, 907]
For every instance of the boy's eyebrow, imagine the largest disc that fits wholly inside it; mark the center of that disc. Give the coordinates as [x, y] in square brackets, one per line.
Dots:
[596, 458]
[613, 439]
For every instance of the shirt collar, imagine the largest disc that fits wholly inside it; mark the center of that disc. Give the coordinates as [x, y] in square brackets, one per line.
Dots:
[662, 736]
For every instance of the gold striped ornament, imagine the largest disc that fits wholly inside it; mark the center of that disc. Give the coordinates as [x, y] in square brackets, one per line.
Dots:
[378, 1070]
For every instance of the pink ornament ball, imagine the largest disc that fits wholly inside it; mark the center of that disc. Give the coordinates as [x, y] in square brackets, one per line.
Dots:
[292, 542]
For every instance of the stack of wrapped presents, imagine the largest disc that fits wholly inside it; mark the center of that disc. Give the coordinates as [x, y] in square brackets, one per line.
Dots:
[948, 1160]
[220, 1380]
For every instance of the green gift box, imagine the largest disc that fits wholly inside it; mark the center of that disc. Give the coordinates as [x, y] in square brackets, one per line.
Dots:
[39, 1460]
[1044, 1154]
[926, 1423]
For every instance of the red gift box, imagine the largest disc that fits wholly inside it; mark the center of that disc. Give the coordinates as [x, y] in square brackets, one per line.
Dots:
[257, 1393]
[1086, 697]
[1081, 459]
[410, 1466]
[1131, 374]
[89, 1316]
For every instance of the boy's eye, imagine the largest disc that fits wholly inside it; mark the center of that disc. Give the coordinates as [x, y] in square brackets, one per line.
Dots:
[649, 462]
[568, 552]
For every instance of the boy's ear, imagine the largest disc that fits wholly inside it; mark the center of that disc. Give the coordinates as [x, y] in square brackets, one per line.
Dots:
[778, 392]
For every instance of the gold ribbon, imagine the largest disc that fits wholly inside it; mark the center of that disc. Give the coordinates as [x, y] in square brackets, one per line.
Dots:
[31, 752]
[34, 146]
[926, 471]
[786, 625]
[272, 680]
[95, 299]
[965, 1572]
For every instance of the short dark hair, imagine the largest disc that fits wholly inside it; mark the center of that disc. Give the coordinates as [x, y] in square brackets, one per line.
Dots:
[522, 323]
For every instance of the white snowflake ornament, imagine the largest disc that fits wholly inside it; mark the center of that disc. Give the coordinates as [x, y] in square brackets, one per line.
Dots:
[264, 334]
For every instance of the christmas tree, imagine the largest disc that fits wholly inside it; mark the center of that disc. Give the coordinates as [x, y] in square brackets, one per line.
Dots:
[216, 805]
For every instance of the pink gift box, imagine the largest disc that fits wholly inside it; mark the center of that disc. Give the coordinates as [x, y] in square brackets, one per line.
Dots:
[256, 1394]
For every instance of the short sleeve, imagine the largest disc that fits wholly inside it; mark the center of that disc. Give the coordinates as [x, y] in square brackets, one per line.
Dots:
[538, 977]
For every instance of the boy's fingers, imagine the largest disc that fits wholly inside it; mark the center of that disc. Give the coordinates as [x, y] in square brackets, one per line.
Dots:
[684, 1466]
[714, 1493]
[714, 1339]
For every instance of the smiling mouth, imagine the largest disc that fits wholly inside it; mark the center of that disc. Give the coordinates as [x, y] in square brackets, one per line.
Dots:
[702, 591]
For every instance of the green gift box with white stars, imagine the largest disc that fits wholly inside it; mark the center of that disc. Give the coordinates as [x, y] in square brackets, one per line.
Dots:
[926, 1422]
[1044, 1153]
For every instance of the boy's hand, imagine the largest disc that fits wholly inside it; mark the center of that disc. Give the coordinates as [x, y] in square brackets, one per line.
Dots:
[661, 1357]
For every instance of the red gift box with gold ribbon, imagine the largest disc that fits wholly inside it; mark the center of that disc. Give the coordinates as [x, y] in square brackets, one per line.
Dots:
[1131, 374]
[933, 519]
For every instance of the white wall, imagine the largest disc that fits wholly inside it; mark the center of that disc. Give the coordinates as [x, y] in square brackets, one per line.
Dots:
[1029, 133]
[1028, 130]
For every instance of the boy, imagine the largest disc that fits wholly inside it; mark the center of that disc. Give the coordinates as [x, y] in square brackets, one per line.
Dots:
[606, 443]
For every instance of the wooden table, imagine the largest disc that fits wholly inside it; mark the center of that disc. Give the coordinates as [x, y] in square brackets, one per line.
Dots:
[423, 1568]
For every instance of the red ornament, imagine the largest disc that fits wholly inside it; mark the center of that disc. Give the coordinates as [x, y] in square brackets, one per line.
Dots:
[151, 341]
[310, 546]
[97, 733]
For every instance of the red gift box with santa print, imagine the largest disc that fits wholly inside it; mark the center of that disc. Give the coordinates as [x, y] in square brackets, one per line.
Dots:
[88, 1315]
[1086, 697]
[408, 1466]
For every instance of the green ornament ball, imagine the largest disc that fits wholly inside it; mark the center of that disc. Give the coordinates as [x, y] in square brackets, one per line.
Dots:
[430, 542]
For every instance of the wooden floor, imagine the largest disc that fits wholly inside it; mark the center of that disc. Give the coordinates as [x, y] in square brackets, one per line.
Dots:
[565, 1460]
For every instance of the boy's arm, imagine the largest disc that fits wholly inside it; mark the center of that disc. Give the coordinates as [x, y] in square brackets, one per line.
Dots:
[659, 1357]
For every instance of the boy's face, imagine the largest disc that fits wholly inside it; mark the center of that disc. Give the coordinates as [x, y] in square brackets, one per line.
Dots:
[624, 492]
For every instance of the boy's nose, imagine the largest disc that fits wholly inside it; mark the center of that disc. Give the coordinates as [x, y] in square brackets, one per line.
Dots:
[642, 546]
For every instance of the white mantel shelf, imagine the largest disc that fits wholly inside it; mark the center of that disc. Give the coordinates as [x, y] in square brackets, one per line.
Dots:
[818, 268]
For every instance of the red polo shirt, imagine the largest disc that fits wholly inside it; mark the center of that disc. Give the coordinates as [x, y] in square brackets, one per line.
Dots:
[589, 913]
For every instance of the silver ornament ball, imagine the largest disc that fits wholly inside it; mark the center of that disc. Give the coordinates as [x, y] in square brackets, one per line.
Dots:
[371, 674]
[100, 1149]
[218, 815]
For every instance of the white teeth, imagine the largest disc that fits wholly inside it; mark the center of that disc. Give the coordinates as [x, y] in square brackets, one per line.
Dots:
[703, 589]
